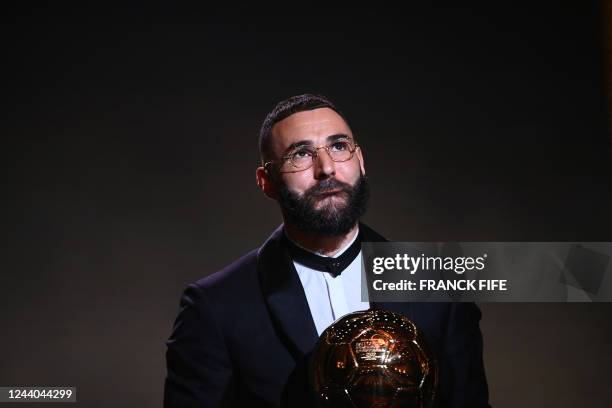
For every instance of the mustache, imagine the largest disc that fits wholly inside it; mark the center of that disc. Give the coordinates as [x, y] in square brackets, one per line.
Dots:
[326, 185]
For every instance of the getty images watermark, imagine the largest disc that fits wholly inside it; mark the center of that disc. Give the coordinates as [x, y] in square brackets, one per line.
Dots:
[487, 271]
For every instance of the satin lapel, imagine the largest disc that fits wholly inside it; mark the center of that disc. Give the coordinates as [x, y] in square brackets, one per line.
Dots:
[285, 296]
[369, 235]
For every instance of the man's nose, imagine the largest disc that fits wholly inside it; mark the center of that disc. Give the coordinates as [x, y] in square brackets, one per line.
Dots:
[324, 166]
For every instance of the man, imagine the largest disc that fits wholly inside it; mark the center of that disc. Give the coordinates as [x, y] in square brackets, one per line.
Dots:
[242, 334]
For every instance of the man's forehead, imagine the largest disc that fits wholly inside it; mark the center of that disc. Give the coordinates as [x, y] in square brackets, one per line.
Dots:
[313, 125]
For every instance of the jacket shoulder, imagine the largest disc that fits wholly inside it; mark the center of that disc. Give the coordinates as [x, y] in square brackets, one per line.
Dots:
[236, 273]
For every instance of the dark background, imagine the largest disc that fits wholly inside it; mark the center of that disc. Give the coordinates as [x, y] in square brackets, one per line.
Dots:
[129, 145]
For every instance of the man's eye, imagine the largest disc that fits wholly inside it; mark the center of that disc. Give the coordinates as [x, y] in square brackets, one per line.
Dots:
[301, 154]
[339, 146]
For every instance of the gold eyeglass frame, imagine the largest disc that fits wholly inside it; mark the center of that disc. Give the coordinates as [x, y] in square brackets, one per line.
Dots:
[314, 157]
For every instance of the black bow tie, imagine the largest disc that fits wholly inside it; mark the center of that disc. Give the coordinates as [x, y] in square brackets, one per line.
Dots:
[335, 266]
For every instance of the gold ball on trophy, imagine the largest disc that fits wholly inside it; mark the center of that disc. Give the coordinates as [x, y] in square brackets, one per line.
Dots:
[373, 358]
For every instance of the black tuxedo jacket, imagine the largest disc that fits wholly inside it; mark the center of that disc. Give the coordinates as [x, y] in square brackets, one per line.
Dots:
[241, 333]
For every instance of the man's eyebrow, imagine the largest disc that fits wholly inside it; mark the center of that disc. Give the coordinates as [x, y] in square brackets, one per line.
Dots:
[337, 136]
[300, 143]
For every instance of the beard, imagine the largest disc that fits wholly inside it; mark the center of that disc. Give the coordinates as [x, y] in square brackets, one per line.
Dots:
[319, 212]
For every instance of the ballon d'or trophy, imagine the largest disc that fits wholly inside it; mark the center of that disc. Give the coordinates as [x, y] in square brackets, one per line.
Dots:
[373, 358]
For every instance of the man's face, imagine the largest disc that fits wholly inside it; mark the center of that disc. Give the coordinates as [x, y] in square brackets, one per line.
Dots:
[329, 197]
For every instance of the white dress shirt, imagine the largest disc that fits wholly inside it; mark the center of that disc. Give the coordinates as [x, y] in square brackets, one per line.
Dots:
[331, 298]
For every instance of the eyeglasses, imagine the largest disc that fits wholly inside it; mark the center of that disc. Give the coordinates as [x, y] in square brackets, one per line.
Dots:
[303, 157]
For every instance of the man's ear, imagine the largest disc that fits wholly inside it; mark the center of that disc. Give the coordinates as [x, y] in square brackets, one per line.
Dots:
[360, 158]
[265, 183]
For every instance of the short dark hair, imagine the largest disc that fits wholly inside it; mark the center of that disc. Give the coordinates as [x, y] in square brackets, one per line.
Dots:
[286, 108]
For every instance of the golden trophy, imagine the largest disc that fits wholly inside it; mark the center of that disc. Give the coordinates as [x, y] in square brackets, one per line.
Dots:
[373, 358]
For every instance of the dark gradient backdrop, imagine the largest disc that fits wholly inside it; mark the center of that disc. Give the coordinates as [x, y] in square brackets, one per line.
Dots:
[129, 145]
